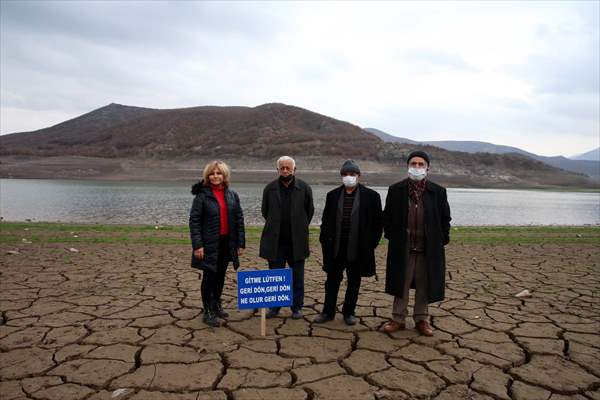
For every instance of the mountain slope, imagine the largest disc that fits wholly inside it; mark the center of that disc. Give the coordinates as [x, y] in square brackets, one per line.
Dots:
[123, 142]
[592, 155]
[262, 131]
[590, 168]
[386, 137]
[78, 130]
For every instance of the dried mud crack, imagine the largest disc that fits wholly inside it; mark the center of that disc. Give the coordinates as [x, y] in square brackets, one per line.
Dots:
[124, 322]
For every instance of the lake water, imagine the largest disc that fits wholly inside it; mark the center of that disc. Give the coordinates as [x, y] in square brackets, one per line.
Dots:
[168, 203]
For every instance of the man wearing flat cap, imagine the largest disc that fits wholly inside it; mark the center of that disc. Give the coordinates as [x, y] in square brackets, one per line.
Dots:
[350, 231]
[417, 225]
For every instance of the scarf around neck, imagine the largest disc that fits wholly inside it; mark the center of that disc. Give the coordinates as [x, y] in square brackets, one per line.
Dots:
[416, 189]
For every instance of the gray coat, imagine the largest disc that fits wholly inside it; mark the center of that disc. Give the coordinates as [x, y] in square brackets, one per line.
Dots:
[437, 235]
[302, 210]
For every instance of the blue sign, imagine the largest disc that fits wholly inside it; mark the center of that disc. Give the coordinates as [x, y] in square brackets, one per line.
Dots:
[264, 288]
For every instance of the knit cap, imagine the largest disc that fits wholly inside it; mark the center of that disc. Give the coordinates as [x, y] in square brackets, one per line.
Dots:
[349, 166]
[418, 153]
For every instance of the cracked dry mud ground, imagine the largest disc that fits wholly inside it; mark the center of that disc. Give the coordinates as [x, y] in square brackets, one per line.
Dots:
[80, 326]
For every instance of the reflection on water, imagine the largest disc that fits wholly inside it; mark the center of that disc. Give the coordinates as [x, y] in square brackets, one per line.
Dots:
[169, 203]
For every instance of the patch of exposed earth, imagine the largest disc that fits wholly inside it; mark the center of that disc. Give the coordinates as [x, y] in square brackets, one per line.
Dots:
[124, 322]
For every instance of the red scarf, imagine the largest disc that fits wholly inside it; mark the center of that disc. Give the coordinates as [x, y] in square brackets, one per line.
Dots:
[416, 189]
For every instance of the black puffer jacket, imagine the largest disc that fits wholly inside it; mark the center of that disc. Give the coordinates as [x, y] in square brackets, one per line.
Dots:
[205, 223]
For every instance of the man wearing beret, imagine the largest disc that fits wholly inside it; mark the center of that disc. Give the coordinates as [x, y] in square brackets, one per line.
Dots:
[350, 231]
[417, 225]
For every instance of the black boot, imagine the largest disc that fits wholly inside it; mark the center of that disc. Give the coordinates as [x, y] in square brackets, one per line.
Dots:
[209, 317]
[219, 312]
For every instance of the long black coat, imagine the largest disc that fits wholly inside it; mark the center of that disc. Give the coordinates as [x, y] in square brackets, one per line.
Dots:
[205, 223]
[437, 235]
[369, 233]
[302, 210]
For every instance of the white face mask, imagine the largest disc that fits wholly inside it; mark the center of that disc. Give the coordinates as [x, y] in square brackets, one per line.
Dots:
[417, 174]
[349, 180]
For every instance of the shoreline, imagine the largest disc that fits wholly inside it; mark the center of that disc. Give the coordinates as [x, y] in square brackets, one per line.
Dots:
[255, 226]
[23, 234]
[314, 172]
[376, 180]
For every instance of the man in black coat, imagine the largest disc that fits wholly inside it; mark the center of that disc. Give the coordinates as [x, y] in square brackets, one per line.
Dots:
[350, 231]
[417, 225]
[287, 207]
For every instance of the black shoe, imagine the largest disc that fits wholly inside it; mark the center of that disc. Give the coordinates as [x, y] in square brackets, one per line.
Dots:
[297, 314]
[219, 310]
[350, 319]
[210, 319]
[321, 318]
[272, 313]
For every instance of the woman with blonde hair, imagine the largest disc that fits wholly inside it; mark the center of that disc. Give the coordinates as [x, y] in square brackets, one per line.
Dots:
[217, 233]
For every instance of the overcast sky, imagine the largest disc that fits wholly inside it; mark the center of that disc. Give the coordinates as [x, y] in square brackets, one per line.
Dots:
[524, 74]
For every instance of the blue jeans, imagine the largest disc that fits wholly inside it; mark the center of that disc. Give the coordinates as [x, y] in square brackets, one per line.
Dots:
[285, 255]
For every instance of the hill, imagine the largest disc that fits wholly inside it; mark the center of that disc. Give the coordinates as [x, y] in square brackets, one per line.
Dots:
[386, 137]
[592, 155]
[263, 131]
[124, 142]
[580, 165]
[82, 130]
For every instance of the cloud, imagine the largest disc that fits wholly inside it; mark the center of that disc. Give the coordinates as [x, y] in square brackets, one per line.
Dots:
[485, 71]
[430, 60]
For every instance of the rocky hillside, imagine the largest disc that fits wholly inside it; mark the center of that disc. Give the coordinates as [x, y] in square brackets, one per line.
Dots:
[585, 164]
[485, 169]
[83, 131]
[263, 131]
[123, 142]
